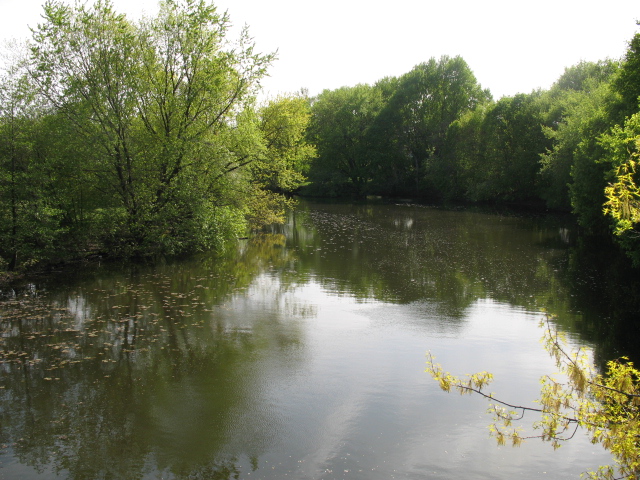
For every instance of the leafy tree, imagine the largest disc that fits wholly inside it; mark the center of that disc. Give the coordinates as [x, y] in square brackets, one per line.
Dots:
[340, 125]
[576, 99]
[512, 141]
[627, 83]
[581, 78]
[606, 405]
[287, 156]
[623, 196]
[464, 150]
[588, 172]
[29, 221]
[156, 100]
[426, 101]
[71, 188]
[281, 160]
[622, 204]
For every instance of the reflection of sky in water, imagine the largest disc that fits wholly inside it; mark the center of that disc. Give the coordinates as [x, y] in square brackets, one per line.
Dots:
[359, 405]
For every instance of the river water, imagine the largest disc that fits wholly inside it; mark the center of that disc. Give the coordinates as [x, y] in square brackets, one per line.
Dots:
[300, 354]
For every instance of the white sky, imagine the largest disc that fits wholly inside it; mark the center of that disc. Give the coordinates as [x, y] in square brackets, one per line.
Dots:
[512, 46]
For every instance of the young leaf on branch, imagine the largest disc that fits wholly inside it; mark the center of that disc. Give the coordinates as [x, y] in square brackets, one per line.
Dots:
[606, 405]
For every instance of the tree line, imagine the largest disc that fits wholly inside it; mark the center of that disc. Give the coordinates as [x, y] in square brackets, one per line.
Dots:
[136, 138]
[436, 134]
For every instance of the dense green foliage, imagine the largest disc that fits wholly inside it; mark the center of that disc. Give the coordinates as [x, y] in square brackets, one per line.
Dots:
[391, 138]
[434, 133]
[137, 138]
[340, 128]
[140, 138]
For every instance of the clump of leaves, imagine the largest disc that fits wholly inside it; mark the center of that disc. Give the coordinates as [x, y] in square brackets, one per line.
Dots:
[623, 194]
[606, 405]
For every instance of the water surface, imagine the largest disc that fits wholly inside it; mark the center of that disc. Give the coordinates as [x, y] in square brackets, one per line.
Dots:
[300, 355]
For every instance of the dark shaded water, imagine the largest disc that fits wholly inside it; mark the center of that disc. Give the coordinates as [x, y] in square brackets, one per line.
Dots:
[301, 354]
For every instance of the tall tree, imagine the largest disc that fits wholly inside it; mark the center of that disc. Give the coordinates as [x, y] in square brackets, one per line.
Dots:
[512, 141]
[29, 219]
[155, 99]
[339, 128]
[463, 148]
[579, 94]
[426, 101]
[283, 124]
[282, 157]
[627, 83]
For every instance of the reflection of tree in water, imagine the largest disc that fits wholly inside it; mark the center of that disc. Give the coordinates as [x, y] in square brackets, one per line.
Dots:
[410, 253]
[605, 289]
[215, 472]
[451, 259]
[130, 374]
